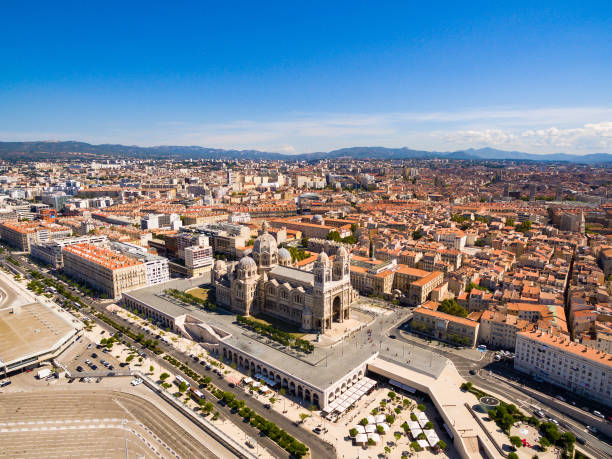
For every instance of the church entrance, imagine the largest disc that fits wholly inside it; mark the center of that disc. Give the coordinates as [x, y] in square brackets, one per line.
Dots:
[337, 310]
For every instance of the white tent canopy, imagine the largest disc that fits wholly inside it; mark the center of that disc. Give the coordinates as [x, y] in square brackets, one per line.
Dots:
[423, 443]
[361, 439]
[432, 437]
[375, 437]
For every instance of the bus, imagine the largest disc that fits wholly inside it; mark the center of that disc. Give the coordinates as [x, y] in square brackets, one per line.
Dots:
[196, 395]
[178, 379]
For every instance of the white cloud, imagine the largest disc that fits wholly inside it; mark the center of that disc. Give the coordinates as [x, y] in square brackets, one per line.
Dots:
[591, 137]
[541, 130]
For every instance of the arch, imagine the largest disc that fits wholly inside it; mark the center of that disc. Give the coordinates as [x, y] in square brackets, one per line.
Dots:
[285, 382]
[300, 392]
[258, 368]
[337, 309]
[252, 366]
[265, 372]
[278, 379]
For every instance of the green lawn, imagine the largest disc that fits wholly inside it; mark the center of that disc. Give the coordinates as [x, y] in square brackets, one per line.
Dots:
[198, 292]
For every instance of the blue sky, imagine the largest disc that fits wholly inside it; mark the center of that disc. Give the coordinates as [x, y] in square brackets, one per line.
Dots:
[310, 76]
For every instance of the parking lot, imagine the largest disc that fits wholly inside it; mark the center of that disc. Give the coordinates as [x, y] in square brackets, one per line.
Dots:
[87, 357]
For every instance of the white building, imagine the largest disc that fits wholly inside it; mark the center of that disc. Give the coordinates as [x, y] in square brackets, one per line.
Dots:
[198, 256]
[567, 364]
[239, 217]
[452, 238]
[157, 269]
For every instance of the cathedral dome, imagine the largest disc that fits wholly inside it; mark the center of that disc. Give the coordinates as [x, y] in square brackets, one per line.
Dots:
[323, 259]
[265, 244]
[341, 253]
[247, 263]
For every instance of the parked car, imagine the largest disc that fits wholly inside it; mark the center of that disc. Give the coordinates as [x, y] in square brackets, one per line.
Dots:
[5, 382]
[79, 368]
[136, 382]
[598, 414]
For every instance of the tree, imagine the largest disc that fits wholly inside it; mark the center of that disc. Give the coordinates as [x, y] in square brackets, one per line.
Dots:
[391, 395]
[421, 407]
[380, 430]
[397, 436]
[544, 443]
[303, 417]
[390, 419]
[512, 456]
[334, 236]
[353, 432]
[516, 441]
[151, 368]
[450, 306]
[524, 226]
[429, 425]
[441, 444]
[182, 386]
[364, 422]
[567, 440]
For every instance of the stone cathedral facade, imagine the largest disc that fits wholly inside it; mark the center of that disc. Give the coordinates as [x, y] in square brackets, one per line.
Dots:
[268, 283]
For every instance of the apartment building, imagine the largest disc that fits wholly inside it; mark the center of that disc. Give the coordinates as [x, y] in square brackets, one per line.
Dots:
[444, 327]
[157, 267]
[106, 270]
[452, 238]
[567, 364]
[421, 288]
[22, 235]
[198, 260]
[313, 228]
[50, 252]
[498, 330]
[372, 277]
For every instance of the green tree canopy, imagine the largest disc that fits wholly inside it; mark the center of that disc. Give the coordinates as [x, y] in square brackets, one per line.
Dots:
[450, 306]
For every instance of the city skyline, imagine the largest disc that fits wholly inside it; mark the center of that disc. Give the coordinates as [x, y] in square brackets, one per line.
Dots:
[310, 79]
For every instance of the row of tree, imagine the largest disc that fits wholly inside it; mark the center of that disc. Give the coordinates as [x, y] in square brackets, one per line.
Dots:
[276, 334]
[191, 299]
[268, 428]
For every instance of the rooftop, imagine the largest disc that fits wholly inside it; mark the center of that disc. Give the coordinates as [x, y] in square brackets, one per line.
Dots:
[101, 256]
[33, 330]
[566, 345]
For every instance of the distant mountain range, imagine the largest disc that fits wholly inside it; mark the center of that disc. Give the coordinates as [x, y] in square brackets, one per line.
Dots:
[45, 150]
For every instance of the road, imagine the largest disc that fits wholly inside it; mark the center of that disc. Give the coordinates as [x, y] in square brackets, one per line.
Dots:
[318, 447]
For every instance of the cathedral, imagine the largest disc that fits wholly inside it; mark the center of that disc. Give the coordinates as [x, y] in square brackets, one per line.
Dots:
[268, 283]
